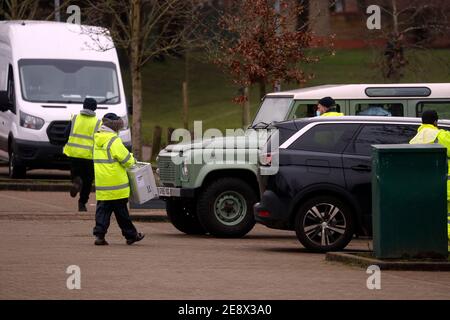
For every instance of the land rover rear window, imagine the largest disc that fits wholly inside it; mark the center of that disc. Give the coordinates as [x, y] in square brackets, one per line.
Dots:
[329, 138]
[379, 109]
[441, 107]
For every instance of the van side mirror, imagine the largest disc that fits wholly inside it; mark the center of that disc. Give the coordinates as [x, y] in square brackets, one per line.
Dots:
[5, 104]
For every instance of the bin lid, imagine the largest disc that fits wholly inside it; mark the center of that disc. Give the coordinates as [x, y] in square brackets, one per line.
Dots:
[398, 148]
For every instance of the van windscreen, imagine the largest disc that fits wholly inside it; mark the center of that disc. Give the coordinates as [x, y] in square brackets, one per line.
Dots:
[68, 81]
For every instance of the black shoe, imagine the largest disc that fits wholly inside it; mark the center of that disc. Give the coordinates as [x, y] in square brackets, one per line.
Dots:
[138, 237]
[81, 207]
[100, 241]
[76, 187]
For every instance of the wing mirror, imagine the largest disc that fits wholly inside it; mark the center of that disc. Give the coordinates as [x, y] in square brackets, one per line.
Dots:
[5, 104]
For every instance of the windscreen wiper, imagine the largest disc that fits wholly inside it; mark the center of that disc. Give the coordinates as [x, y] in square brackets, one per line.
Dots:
[265, 125]
[107, 99]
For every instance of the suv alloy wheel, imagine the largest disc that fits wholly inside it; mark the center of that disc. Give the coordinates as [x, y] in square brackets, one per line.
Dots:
[324, 223]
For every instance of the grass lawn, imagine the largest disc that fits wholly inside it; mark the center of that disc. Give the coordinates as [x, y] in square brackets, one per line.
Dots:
[211, 93]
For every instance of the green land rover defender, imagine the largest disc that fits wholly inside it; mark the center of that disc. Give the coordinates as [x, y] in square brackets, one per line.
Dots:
[217, 197]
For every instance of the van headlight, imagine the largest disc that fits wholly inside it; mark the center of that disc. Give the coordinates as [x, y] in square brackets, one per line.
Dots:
[30, 122]
[125, 122]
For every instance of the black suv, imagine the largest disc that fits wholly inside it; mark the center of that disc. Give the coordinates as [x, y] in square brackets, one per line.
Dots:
[322, 189]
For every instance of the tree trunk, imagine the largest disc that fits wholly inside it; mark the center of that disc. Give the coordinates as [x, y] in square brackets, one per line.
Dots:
[185, 106]
[262, 88]
[246, 108]
[136, 78]
[185, 91]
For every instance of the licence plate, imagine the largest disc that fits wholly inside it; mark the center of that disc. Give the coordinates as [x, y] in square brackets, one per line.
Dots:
[168, 192]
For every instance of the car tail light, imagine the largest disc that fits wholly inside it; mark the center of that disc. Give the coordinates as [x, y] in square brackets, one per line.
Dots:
[265, 159]
[264, 214]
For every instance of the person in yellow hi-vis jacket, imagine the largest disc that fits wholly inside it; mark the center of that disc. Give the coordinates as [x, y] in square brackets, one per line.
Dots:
[112, 188]
[326, 107]
[79, 149]
[428, 132]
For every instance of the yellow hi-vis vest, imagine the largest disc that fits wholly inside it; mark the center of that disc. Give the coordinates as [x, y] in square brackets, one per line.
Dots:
[111, 159]
[81, 138]
[332, 114]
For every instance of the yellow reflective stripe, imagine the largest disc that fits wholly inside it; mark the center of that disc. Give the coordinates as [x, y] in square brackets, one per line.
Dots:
[122, 186]
[108, 147]
[81, 136]
[76, 145]
[105, 160]
[96, 126]
[126, 159]
[73, 124]
[108, 152]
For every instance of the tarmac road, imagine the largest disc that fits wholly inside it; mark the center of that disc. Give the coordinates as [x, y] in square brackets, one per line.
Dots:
[41, 235]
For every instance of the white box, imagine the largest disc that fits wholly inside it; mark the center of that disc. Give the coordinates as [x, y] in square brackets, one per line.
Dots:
[142, 183]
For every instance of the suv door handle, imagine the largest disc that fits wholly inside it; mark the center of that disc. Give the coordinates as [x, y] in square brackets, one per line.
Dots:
[361, 168]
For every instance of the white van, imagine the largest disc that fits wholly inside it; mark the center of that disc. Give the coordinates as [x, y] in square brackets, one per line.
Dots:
[47, 69]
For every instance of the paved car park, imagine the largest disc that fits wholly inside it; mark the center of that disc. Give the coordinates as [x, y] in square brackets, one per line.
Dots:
[42, 235]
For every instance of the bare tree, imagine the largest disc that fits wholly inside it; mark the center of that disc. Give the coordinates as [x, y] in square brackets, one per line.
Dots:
[29, 9]
[145, 29]
[262, 43]
[410, 24]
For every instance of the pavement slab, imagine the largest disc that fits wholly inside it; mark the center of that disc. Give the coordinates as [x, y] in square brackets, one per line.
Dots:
[266, 264]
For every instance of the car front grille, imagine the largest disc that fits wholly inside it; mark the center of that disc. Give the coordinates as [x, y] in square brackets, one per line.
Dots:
[57, 132]
[167, 169]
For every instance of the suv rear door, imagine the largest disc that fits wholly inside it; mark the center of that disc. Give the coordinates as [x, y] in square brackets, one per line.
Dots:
[314, 158]
[357, 160]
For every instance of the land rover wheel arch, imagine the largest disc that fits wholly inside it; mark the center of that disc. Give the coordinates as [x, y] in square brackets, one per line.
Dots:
[183, 216]
[225, 207]
[324, 223]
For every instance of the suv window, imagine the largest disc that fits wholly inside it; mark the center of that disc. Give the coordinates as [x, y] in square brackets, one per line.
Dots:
[441, 107]
[380, 134]
[379, 109]
[332, 138]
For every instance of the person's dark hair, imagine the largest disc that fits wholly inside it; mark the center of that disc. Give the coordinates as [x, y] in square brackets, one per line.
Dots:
[90, 104]
[429, 117]
[327, 102]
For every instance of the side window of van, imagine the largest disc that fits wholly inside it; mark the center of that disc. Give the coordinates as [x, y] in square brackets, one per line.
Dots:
[308, 110]
[10, 89]
[379, 109]
[441, 107]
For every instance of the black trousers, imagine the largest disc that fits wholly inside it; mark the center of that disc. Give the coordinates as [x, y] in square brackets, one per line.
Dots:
[103, 217]
[84, 169]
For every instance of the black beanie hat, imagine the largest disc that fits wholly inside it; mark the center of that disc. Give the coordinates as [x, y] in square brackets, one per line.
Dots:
[90, 104]
[327, 102]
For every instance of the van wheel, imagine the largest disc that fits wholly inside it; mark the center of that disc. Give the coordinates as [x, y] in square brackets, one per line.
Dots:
[15, 171]
[183, 217]
[324, 223]
[225, 208]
